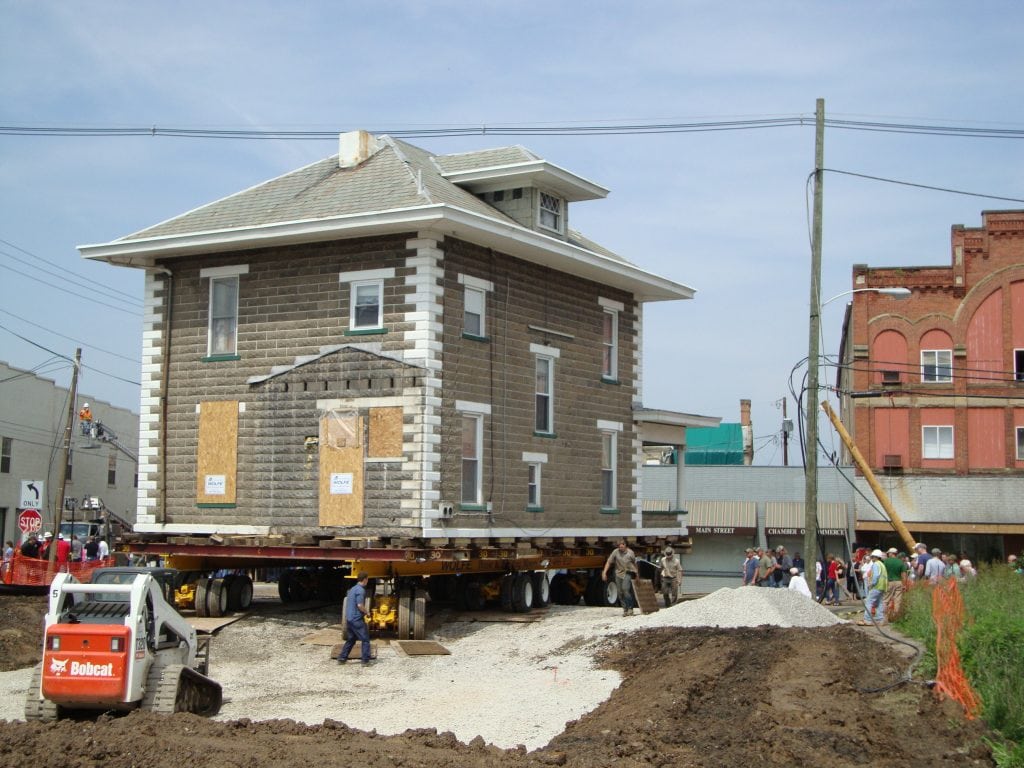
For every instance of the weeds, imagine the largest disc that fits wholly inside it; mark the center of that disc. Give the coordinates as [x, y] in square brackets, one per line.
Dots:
[991, 646]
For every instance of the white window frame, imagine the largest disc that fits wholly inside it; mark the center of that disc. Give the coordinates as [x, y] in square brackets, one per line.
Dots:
[609, 474]
[6, 454]
[936, 377]
[474, 305]
[557, 212]
[230, 340]
[1020, 443]
[934, 447]
[610, 346]
[474, 421]
[354, 286]
[223, 276]
[544, 399]
[533, 485]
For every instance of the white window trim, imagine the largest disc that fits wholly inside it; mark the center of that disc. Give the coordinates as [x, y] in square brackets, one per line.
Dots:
[550, 394]
[618, 306]
[537, 474]
[478, 419]
[560, 213]
[545, 351]
[214, 281]
[353, 287]
[612, 372]
[938, 442]
[937, 379]
[366, 274]
[232, 270]
[466, 406]
[614, 435]
[468, 290]
[475, 282]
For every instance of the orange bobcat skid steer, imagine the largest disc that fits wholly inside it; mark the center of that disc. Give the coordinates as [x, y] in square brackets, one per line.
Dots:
[117, 644]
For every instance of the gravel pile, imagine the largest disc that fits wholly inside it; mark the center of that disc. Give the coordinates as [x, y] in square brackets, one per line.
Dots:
[508, 683]
[744, 607]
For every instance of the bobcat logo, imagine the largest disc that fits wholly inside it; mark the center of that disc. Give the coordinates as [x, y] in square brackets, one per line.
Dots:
[58, 667]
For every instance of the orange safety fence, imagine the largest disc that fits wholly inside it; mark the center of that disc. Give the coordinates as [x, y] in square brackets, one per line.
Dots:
[31, 572]
[948, 615]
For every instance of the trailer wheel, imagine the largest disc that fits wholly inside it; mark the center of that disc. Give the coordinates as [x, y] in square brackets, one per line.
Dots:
[240, 592]
[541, 590]
[216, 598]
[522, 592]
[200, 597]
[404, 614]
[610, 593]
[419, 609]
[507, 582]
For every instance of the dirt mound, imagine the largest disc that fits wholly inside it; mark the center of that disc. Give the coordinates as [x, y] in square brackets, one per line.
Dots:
[694, 697]
[21, 631]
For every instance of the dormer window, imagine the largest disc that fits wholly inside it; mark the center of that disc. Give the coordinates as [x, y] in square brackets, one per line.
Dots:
[550, 212]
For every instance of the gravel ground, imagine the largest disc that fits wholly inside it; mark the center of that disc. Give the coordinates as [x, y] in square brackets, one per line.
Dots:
[508, 683]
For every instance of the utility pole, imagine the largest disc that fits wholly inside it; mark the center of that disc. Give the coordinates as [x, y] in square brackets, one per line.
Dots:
[814, 330]
[65, 452]
[785, 437]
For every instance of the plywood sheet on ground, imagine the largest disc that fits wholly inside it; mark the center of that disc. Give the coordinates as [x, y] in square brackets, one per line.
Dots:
[646, 598]
[422, 648]
[329, 636]
[500, 617]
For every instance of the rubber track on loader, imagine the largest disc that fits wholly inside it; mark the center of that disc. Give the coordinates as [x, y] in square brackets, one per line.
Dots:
[177, 688]
[36, 707]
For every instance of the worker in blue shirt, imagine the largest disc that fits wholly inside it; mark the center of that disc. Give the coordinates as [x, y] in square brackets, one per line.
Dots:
[355, 621]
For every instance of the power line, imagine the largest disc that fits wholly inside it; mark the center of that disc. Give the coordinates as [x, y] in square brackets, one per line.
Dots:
[71, 338]
[83, 280]
[597, 128]
[924, 186]
[77, 294]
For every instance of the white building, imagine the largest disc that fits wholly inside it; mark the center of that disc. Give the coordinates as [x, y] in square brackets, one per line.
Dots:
[33, 413]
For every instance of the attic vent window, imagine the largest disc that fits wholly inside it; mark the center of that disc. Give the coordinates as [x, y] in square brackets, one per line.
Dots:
[499, 196]
[550, 212]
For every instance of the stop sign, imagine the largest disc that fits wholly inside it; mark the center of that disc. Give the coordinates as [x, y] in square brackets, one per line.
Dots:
[30, 521]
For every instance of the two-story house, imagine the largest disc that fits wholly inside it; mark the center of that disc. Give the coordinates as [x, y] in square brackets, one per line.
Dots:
[932, 387]
[392, 342]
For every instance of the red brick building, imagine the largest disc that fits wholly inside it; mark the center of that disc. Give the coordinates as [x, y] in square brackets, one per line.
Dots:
[933, 385]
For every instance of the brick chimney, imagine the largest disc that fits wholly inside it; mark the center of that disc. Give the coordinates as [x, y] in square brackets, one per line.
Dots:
[356, 147]
[748, 433]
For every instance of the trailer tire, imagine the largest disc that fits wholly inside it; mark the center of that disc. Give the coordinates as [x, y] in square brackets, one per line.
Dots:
[507, 582]
[200, 597]
[610, 594]
[216, 598]
[240, 593]
[522, 592]
[419, 609]
[404, 614]
[541, 590]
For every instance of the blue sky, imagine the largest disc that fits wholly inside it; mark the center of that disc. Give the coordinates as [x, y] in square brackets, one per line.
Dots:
[724, 212]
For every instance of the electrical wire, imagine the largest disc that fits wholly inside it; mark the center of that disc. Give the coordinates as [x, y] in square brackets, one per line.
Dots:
[579, 128]
[72, 338]
[77, 294]
[924, 186]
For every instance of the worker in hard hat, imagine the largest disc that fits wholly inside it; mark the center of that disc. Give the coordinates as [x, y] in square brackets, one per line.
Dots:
[85, 419]
[671, 576]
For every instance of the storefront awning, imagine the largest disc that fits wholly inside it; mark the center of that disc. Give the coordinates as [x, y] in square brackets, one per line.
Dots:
[786, 518]
[722, 517]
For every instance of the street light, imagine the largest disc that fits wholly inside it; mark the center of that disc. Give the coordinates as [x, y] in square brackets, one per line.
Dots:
[811, 447]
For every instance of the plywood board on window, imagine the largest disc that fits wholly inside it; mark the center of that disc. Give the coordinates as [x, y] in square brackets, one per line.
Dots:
[217, 452]
[341, 478]
[385, 439]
